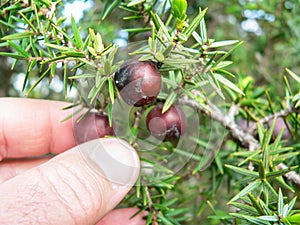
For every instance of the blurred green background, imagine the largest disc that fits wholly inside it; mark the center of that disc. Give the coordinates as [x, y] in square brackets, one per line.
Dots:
[270, 30]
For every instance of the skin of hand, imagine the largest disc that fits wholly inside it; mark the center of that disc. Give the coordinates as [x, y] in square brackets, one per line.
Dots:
[81, 184]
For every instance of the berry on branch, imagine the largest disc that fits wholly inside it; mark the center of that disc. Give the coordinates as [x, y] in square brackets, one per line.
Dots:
[166, 126]
[138, 82]
[92, 126]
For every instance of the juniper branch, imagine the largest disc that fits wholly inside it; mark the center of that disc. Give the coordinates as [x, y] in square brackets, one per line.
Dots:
[266, 119]
[246, 139]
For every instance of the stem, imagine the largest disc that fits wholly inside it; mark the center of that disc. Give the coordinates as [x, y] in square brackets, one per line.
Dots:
[292, 175]
[150, 206]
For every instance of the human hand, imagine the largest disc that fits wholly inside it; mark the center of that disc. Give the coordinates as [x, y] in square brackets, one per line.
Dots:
[79, 185]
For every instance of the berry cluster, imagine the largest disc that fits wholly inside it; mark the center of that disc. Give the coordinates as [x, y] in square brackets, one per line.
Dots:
[139, 84]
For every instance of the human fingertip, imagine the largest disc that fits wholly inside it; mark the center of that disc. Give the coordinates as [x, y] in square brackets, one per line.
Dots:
[82, 185]
[124, 216]
[112, 158]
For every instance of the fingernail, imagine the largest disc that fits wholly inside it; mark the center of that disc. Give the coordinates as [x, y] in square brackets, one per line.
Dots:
[114, 159]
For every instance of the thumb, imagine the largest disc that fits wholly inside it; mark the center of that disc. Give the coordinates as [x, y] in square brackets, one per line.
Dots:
[78, 186]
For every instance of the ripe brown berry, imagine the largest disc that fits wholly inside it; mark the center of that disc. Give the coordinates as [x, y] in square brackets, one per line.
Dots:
[92, 126]
[139, 83]
[245, 124]
[280, 124]
[167, 126]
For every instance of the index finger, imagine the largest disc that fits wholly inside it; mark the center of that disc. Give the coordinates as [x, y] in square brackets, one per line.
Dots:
[31, 127]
